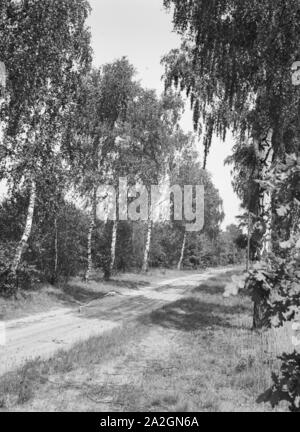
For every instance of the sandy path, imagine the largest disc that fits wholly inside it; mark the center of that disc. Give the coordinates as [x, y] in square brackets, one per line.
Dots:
[43, 334]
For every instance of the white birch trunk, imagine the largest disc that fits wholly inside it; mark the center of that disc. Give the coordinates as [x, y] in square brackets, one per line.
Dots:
[89, 249]
[265, 153]
[113, 245]
[55, 249]
[179, 267]
[147, 246]
[266, 157]
[27, 230]
[267, 202]
[248, 243]
[90, 238]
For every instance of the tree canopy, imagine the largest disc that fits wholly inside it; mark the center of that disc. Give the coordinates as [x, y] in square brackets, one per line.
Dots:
[235, 64]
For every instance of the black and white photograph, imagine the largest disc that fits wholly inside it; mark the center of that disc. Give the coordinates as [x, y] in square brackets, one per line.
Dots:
[149, 209]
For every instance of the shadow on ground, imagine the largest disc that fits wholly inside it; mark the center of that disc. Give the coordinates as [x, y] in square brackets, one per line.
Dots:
[121, 309]
[134, 285]
[125, 283]
[190, 314]
[80, 292]
[214, 286]
[77, 293]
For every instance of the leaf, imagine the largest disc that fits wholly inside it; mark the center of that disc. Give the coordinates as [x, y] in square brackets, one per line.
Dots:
[286, 244]
[260, 277]
[274, 397]
[283, 211]
[265, 397]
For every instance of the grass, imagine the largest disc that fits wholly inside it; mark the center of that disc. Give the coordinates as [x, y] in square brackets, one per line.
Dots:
[195, 354]
[17, 388]
[46, 297]
[43, 299]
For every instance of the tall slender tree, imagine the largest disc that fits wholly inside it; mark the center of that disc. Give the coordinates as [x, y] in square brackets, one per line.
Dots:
[235, 64]
[92, 131]
[190, 172]
[45, 55]
[152, 125]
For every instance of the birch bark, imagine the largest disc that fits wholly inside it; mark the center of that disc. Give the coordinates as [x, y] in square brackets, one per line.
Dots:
[147, 246]
[180, 262]
[90, 237]
[27, 229]
[113, 245]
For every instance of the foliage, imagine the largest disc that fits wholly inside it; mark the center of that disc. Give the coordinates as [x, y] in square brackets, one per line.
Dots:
[39, 257]
[235, 65]
[71, 243]
[286, 386]
[93, 124]
[282, 269]
[45, 47]
[201, 250]
[280, 274]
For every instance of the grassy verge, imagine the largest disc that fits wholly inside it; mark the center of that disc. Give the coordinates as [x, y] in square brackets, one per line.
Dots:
[46, 297]
[23, 385]
[195, 354]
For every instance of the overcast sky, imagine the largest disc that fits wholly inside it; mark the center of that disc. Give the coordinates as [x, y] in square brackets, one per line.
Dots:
[142, 30]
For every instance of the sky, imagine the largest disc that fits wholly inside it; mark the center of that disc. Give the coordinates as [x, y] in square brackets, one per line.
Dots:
[142, 30]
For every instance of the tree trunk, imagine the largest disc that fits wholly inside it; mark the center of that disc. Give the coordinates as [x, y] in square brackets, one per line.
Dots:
[90, 237]
[182, 252]
[55, 251]
[268, 217]
[147, 247]
[260, 314]
[113, 245]
[89, 249]
[27, 230]
[248, 243]
[265, 153]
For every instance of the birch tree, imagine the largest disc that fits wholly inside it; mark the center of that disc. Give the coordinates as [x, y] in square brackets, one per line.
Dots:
[190, 172]
[180, 262]
[235, 64]
[113, 245]
[152, 123]
[44, 60]
[92, 131]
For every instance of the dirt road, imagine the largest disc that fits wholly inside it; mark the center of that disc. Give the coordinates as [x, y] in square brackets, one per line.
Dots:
[43, 334]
